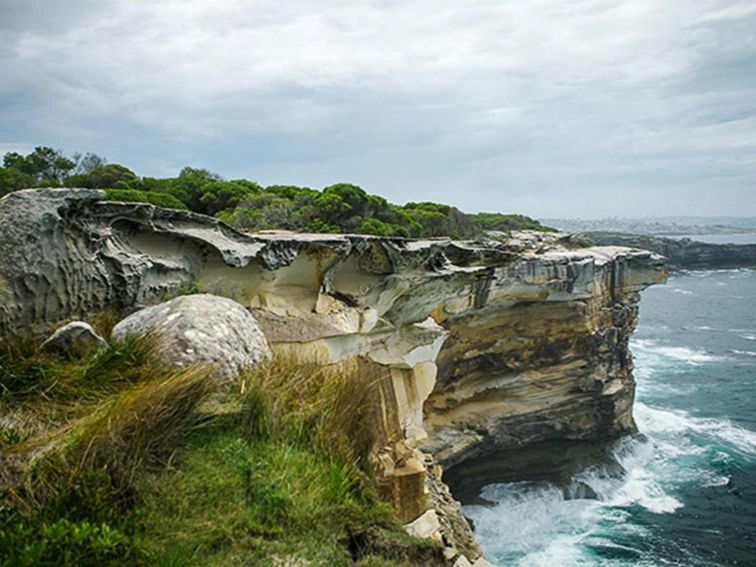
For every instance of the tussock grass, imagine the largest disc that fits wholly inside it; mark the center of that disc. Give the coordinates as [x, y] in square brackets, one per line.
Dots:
[40, 392]
[124, 435]
[144, 465]
[26, 373]
[324, 407]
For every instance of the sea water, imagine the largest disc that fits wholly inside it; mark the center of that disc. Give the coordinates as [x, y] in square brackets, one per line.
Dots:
[687, 495]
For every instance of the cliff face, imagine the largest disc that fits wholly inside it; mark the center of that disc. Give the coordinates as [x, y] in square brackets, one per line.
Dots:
[471, 347]
[686, 253]
[544, 361]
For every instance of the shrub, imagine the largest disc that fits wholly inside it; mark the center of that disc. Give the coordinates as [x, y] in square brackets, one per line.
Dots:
[134, 196]
[63, 544]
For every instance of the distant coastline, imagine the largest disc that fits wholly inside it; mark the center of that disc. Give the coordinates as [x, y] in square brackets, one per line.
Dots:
[685, 253]
[694, 227]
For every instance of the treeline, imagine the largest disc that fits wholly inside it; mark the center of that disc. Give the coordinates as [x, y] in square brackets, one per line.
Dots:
[340, 208]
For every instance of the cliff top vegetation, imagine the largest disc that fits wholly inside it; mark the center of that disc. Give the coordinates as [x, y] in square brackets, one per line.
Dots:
[248, 206]
[113, 459]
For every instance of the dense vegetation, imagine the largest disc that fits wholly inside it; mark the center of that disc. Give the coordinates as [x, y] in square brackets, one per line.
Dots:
[340, 208]
[113, 460]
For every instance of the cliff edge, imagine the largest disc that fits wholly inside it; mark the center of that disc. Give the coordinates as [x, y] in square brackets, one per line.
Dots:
[473, 347]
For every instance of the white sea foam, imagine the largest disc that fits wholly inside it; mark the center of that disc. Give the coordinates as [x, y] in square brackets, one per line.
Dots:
[717, 480]
[743, 352]
[639, 486]
[534, 524]
[665, 422]
[541, 526]
[682, 291]
[685, 354]
[748, 337]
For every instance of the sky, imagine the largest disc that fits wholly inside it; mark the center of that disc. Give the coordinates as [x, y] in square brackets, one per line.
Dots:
[551, 108]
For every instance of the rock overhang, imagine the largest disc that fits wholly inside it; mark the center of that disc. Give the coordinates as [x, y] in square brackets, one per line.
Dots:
[484, 345]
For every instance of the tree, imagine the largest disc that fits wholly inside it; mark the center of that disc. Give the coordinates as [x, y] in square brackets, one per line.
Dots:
[112, 175]
[107, 176]
[13, 180]
[188, 186]
[87, 162]
[222, 195]
[44, 165]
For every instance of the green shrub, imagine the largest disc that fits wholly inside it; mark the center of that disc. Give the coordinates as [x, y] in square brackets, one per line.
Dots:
[134, 196]
[64, 544]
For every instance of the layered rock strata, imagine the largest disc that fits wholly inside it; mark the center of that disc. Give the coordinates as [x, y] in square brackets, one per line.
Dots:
[471, 346]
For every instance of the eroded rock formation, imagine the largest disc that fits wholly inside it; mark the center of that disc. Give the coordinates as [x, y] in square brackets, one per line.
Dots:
[473, 346]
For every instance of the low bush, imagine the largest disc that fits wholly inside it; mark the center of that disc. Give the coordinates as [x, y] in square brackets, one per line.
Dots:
[151, 197]
[63, 544]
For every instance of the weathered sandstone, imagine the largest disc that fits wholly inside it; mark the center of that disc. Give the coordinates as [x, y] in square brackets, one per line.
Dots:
[473, 347]
[200, 329]
[75, 338]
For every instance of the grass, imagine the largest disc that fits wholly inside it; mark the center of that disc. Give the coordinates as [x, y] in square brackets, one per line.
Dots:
[133, 463]
[41, 391]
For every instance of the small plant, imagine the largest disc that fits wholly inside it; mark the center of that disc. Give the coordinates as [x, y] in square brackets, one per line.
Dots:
[189, 289]
[63, 544]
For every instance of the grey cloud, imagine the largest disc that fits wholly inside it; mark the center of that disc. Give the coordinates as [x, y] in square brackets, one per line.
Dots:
[548, 108]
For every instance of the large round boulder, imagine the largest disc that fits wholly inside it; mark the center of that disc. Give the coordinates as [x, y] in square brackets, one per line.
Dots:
[200, 329]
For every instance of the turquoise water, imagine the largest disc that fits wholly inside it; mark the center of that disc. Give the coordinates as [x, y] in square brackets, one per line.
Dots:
[687, 495]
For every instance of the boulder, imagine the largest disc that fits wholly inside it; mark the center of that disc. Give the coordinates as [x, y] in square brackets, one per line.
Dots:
[77, 338]
[426, 526]
[200, 329]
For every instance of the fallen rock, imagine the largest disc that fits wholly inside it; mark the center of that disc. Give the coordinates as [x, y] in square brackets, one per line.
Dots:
[77, 338]
[426, 526]
[201, 329]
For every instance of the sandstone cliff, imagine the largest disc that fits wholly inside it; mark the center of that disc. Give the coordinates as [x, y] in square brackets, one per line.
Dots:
[472, 347]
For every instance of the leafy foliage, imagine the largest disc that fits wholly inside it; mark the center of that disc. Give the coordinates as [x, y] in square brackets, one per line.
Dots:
[339, 208]
[135, 196]
[506, 223]
[62, 544]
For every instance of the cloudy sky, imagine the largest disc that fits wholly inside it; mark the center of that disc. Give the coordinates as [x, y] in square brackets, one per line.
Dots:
[584, 108]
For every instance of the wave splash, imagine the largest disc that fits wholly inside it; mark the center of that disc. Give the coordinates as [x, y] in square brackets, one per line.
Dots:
[533, 524]
[650, 348]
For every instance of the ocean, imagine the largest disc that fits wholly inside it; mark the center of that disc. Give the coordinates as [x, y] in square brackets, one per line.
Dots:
[687, 493]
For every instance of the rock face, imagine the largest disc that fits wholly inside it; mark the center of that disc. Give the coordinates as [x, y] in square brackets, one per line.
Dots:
[200, 329]
[472, 347]
[545, 358]
[77, 338]
[685, 253]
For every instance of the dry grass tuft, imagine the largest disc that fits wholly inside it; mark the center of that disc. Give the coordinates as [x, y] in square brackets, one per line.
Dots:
[112, 444]
[324, 407]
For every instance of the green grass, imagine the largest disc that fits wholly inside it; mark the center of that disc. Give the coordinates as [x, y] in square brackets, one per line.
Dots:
[234, 501]
[131, 463]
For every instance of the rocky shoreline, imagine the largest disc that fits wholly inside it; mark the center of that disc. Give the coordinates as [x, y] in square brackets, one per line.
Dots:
[685, 253]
